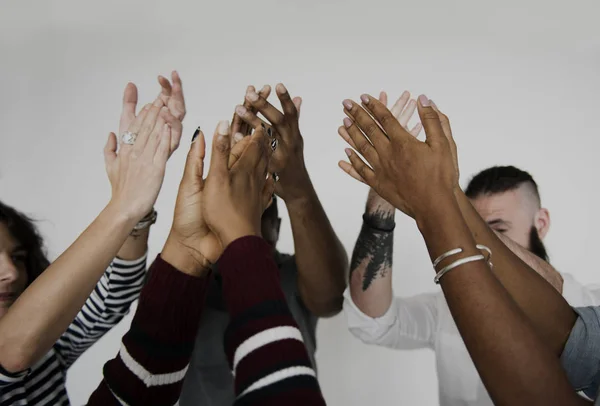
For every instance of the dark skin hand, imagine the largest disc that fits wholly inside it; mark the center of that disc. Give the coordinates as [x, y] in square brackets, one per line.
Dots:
[321, 259]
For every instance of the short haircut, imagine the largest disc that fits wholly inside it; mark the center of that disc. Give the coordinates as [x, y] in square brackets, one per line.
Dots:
[499, 179]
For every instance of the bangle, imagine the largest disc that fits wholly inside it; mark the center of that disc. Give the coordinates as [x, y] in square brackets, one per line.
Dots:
[456, 264]
[369, 224]
[146, 222]
[446, 255]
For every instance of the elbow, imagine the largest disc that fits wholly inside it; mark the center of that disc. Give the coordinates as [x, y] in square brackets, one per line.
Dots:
[13, 361]
[325, 308]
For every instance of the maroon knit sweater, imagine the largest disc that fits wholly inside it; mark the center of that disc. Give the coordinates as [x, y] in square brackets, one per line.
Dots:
[263, 343]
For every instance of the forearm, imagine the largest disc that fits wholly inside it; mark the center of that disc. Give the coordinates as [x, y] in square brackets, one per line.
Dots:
[44, 311]
[135, 245]
[514, 364]
[159, 342]
[371, 264]
[260, 315]
[543, 268]
[549, 313]
[321, 258]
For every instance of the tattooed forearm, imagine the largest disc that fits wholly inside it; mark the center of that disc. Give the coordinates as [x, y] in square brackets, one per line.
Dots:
[375, 246]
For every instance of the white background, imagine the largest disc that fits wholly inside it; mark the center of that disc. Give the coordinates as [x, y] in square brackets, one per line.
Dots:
[519, 80]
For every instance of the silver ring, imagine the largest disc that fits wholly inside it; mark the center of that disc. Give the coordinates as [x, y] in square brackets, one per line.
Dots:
[274, 143]
[128, 138]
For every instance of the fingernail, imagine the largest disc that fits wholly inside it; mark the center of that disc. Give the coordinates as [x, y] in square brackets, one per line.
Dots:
[269, 132]
[365, 99]
[264, 89]
[347, 122]
[241, 110]
[405, 94]
[348, 152]
[196, 134]
[425, 102]
[252, 96]
[347, 104]
[238, 137]
[223, 128]
[264, 127]
[157, 103]
[281, 89]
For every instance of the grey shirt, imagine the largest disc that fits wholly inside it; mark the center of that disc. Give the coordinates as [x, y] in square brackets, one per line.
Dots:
[581, 356]
[209, 381]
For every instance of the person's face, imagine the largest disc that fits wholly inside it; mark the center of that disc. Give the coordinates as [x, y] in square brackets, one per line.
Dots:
[511, 214]
[13, 274]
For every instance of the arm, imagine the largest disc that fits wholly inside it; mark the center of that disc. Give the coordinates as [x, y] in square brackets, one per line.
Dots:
[320, 256]
[516, 367]
[549, 313]
[263, 344]
[48, 306]
[371, 265]
[155, 352]
[321, 259]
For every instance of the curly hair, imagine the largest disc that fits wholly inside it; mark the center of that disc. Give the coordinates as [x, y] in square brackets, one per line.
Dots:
[23, 229]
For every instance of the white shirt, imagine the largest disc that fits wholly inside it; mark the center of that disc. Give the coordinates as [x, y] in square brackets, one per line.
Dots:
[424, 321]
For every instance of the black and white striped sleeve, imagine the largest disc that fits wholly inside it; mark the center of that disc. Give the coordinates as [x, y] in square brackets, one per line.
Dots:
[110, 301]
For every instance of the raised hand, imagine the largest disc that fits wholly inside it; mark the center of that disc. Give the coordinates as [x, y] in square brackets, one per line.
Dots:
[288, 159]
[235, 196]
[408, 173]
[137, 170]
[239, 126]
[403, 110]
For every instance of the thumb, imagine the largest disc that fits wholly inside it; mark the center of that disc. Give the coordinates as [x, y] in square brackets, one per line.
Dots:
[194, 164]
[110, 149]
[298, 103]
[221, 146]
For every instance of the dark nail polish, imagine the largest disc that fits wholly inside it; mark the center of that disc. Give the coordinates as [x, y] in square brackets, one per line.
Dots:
[275, 177]
[270, 132]
[196, 134]
[263, 126]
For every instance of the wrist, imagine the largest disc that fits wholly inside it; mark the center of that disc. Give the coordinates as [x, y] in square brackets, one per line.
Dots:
[184, 258]
[435, 214]
[120, 217]
[233, 235]
[299, 189]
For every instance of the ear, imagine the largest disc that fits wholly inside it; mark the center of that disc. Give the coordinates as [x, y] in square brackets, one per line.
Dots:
[542, 222]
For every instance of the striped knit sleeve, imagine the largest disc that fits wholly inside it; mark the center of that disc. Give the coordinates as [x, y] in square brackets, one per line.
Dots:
[110, 301]
[8, 378]
[263, 343]
[155, 352]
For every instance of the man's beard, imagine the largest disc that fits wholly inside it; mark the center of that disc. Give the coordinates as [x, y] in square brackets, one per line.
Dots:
[536, 245]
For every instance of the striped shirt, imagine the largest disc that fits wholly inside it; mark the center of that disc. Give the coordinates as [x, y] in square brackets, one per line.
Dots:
[263, 343]
[44, 383]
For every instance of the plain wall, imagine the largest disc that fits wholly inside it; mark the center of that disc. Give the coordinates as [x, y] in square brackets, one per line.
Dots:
[519, 80]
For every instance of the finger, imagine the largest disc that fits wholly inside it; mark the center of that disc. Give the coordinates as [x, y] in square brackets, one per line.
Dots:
[344, 134]
[268, 190]
[238, 148]
[110, 149]
[383, 98]
[361, 142]
[407, 114]
[176, 128]
[166, 89]
[256, 153]
[155, 138]
[249, 117]
[163, 151]
[220, 150]
[135, 128]
[349, 169]
[361, 168]
[367, 125]
[434, 133]
[298, 103]
[178, 101]
[274, 116]
[130, 99]
[416, 130]
[148, 125]
[288, 106]
[194, 164]
[398, 107]
[445, 122]
[385, 119]
[237, 124]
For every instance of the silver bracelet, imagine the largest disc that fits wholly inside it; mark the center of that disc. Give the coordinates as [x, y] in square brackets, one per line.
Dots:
[455, 264]
[147, 221]
[489, 257]
[446, 255]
